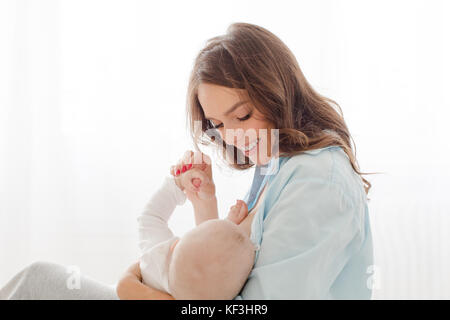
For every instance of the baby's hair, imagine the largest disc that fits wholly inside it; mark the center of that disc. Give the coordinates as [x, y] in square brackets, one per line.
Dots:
[213, 264]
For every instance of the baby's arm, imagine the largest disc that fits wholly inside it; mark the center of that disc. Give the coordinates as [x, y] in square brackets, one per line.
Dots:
[198, 185]
[153, 222]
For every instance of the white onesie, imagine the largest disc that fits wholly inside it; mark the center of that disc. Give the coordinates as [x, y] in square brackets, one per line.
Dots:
[155, 237]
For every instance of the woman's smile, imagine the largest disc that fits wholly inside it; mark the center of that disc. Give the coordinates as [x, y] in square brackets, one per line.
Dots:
[251, 148]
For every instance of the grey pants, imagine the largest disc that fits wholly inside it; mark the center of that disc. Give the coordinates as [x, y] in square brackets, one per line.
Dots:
[49, 281]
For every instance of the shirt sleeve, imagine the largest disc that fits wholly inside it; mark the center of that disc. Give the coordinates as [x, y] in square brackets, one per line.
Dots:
[153, 222]
[310, 233]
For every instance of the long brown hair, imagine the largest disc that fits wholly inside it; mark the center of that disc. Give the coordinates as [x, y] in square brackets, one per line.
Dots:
[252, 58]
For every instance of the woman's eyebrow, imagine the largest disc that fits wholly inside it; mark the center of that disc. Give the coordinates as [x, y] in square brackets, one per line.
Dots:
[234, 107]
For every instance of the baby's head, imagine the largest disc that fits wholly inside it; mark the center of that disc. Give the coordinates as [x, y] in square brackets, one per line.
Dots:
[211, 262]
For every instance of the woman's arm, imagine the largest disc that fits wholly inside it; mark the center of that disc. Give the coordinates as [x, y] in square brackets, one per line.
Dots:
[130, 287]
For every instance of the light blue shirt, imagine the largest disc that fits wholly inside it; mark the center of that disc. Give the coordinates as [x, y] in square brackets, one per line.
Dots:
[312, 229]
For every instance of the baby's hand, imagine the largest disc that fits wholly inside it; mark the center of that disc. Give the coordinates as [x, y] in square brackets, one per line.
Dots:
[192, 160]
[238, 212]
[195, 182]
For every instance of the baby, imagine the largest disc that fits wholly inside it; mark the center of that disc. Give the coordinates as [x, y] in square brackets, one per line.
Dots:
[211, 261]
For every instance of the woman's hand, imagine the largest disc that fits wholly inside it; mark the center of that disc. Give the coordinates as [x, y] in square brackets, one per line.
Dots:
[130, 287]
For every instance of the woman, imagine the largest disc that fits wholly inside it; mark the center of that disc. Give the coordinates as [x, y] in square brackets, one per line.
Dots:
[308, 201]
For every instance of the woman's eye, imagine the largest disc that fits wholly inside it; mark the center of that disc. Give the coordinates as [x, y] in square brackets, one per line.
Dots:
[213, 126]
[245, 118]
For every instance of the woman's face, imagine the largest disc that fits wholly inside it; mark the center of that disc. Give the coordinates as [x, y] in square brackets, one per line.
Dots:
[237, 120]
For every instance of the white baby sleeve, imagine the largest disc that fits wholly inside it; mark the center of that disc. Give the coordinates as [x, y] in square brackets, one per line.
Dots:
[154, 265]
[153, 222]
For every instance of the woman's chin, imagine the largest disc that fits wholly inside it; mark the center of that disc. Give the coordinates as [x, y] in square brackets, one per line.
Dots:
[260, 160]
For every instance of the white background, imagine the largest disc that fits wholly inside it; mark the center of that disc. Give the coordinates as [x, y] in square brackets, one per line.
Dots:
[92, 115]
